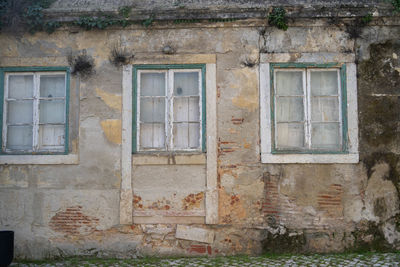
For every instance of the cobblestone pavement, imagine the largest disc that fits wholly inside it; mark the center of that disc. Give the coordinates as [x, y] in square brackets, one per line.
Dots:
[376, 259]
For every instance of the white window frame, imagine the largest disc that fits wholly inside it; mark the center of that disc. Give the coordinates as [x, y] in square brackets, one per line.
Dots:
[169, 110]
[351, 155]
[35, 123]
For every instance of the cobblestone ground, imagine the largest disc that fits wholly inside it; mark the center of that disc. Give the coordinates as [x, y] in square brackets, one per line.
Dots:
[377, 259]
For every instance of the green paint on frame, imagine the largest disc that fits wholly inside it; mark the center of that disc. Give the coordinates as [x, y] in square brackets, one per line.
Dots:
[342, 69]
[3, 70]
[202, 67]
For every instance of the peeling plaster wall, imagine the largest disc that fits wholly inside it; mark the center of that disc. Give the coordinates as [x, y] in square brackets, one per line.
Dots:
[61, 210]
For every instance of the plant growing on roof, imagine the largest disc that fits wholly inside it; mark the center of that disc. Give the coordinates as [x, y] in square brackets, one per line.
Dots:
[277, 18]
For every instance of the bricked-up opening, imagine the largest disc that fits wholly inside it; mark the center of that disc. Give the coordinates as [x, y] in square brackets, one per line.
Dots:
[72, 221]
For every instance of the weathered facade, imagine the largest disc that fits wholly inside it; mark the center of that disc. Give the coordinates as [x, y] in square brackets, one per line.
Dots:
[105, 197]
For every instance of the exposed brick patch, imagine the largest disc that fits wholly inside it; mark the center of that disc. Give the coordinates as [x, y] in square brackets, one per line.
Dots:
[225, 147]
[201, 249]
[237, 121]
[270, 206]
[330, 200]
[192, 201]
[137, 202]
[73, 222]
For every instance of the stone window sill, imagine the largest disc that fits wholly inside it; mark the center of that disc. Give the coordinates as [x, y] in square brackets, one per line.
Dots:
[39, 159]
[310, 158]
[169, 159]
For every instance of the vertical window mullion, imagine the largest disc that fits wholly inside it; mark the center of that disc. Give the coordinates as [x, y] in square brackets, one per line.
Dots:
[35, 126]
[5, 104]
[307, 107]
[201, 108]
[170, 114]
[138, 126]
[340, 109]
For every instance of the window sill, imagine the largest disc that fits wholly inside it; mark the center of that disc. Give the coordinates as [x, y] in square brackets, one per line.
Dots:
[39, 159]
[169, 159]
[310, 158]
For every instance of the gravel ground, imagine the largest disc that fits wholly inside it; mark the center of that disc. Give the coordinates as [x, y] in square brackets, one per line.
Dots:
[376, 259]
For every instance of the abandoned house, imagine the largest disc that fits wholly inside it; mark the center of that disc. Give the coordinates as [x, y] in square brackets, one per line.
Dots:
[187, 127]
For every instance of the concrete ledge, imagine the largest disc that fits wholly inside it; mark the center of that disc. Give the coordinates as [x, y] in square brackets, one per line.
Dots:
[169, 159]
[194, 234]
[320, 57]
[169, 219]
[174, 59]
[39, 159]
[310, 158]
[169, 213]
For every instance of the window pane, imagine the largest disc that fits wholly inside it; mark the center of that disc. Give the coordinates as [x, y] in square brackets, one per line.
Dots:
[194, 135]
[181, 135]
[290, 135]
[51, 111]
[52, 86]
[51, 136]
[152, 135]
[289, 109]
[186, 83]
[194, 109]
[152, 84]
[152, 109]
[20, 86]
[20, 112]
[181, 109]
[324, 82]
[325, 109]
[325, 136]
[289, 83]
[19, 137]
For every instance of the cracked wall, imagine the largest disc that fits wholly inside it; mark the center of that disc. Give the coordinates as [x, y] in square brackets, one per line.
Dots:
[262, 207]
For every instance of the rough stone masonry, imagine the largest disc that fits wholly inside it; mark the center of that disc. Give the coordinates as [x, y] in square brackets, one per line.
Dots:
[103, 200]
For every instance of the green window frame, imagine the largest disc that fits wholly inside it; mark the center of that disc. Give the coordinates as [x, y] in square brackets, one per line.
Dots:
[36, 73]
[167, 68]
[306, 69]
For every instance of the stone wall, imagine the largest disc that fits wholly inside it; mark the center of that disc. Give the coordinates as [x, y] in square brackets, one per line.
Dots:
[62, 210]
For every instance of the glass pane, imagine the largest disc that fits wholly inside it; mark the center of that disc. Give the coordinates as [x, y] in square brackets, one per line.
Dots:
[158, 135]
[186, 83]
[19, 137]
[20, 112]
[325, 136]
[290, 135]
[152, 135]
[325, 109]
[20, 86]
[194, 135]
[181, 109]
[289, 109]
[152, 84]
[324, 82]
[152, 109]
[289, 83]
[146, 135]
[52, 86]
[181, 135]
[51, 135]
[194, 109]
[51, 111]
